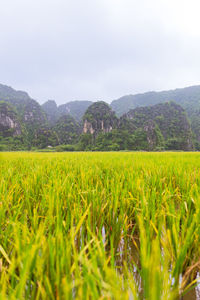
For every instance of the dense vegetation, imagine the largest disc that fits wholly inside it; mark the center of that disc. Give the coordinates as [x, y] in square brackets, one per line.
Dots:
[188, 98]
[83, 125]
[166, 126]
[36, 130]
[158, 127]
[99, 225]
[98, 118]
[67, 130]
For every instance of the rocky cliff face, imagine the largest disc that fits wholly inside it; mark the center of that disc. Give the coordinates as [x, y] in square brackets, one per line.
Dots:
[152, 134]
[99, 118]
[35, 123]
[188, 98]
[33, 114]
[28, 114]
[25, 124]
[9, 122]
[27, 108]
[88, 128]
[167, 121]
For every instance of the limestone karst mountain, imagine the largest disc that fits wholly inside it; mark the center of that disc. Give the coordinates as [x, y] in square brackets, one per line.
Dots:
[25, 124]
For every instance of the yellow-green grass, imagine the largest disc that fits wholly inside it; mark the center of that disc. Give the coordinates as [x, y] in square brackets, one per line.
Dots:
[99, 225]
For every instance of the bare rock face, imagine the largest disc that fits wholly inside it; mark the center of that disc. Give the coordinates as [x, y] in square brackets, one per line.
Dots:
[150, 129]
[33, 113]
[99, 118]
[87, 127]
[9, 123]
[23, 119]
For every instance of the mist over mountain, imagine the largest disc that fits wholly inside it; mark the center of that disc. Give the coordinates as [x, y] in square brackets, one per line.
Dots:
[188, 98]
[168, 120]
[74, 108]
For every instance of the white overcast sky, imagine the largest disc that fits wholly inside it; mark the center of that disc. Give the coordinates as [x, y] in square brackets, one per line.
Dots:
[98, 49]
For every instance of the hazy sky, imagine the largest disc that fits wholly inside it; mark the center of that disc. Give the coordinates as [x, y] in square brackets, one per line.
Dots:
[98, 49]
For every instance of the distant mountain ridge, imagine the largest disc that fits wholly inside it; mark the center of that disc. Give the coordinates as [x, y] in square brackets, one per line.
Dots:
[76, 109]
[159, 127]
[187, 97]
[8, 93]
[87, 125]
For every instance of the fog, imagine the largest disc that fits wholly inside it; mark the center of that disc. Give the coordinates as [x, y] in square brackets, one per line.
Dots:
[98, 49]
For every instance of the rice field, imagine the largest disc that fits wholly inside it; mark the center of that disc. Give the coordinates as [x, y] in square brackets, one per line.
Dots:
[99, 225]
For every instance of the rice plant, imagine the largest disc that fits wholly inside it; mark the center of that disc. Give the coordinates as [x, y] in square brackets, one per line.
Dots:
[99, 225]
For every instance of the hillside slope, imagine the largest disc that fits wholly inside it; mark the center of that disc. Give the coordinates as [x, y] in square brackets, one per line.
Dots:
[36, 131]
[163, 125]
[24, 124]
[188, 98]
[159, 127]
[76, 109]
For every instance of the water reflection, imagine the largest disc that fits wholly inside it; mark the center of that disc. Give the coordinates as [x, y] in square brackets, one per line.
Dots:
[128, 251]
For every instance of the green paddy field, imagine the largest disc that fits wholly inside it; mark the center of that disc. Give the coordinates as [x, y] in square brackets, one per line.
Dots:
[99, 225]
